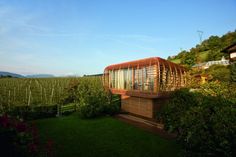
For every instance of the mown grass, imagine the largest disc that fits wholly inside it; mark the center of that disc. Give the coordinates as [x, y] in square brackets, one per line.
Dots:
[103, 137]
[203, 56]
[177, 61]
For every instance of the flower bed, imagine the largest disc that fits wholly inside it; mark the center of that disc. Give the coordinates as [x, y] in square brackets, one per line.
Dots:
[18, 138]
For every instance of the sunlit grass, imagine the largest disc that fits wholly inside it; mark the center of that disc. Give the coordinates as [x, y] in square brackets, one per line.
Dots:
[103, 137]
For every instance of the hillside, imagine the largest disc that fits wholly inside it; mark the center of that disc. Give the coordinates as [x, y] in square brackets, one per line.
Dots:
[9, 74]
[14, 75]
[40, 76]
[208, 50]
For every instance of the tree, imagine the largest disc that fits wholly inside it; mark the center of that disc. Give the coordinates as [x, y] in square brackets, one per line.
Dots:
[188, 59]
[212, 46]
[214, 43]
[214, 55]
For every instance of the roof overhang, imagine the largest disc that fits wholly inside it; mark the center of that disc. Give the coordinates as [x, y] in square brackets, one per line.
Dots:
[142, 62]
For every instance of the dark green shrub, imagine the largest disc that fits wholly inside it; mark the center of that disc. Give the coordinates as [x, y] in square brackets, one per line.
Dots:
[180, 101]
[21, 139]
[233, 72]
[209, 129]
[219, 89]
[219, 72]
[205, 124]
[91, 98]
[91, 110]
[113, 107]
[29, 113]
[96, 108]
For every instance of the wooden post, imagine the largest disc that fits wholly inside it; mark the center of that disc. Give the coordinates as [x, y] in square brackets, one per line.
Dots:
[29, 97]
[157, 82]
[52, 95]
[133, 78]
[9, 96]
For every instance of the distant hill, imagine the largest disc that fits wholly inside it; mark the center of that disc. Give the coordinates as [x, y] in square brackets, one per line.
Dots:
[208, 50]
[40, 76]
[9, 74]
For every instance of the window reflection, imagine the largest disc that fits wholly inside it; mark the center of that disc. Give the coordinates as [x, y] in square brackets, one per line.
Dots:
[123, 78]
[161, 76]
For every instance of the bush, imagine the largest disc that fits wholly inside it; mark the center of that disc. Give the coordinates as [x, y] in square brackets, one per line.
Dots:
[181, 100]
[219, 89]
[113, 107]
[209, 128]
[92, 99]
[233, 72]
[205, 124]
[219, 72]
[91, 110]
[29, 113]
[18, 138]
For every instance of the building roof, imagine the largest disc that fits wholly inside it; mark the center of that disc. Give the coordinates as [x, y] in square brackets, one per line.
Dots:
[142, 62]
[230, 48]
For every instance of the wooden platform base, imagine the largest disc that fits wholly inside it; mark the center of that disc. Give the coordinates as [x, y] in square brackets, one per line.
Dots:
[146, 107]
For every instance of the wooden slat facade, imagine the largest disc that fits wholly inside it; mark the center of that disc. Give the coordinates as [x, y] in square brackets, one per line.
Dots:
[144, 84]
[153, 76]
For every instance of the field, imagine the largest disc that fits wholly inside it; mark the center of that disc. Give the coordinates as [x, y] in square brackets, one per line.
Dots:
[34, 92]
[101, 137]
[28, 92]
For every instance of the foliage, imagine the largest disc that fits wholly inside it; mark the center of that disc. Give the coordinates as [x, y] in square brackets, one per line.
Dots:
[215, 88]
[172, 112]
[214, 55]
[204, 120]
[189, 59]
[27, 113]
[233, 72]
[192, 80]
[218, 72]
[211, 46]
[17, 138]
[113, 107]
[32, 92]
[219, 89]
[208, 129]
[91, 98]
[37, 98]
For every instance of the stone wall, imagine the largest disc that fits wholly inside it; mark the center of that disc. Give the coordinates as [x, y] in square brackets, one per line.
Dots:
[141, 106]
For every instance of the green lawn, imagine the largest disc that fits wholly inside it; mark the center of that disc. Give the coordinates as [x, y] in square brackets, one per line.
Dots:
[103, 137]
[203, 56]
[177, 61]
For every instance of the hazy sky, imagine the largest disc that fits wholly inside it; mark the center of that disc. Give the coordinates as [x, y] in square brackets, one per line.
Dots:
[83, 36]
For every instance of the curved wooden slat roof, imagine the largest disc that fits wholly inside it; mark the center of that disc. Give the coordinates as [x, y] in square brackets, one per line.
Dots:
[142, 62]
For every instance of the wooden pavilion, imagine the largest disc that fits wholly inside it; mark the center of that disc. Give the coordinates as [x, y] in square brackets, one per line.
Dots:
[144, 84]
